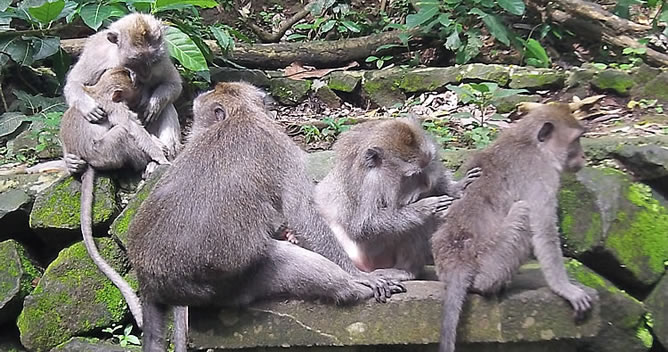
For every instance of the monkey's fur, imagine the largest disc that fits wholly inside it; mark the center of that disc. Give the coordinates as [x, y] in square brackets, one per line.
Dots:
[136, 42]
[202, 236]
[118, 142]
[385, 192]
[510, 212]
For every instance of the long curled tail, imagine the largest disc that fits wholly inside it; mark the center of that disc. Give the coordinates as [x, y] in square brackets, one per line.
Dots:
[87, 181]
[457, 283]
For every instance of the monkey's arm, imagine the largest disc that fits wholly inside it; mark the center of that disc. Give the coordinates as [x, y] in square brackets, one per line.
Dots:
[547, 249]
[164, 93]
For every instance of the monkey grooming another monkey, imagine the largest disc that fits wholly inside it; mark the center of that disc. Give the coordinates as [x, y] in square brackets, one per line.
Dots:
[510, 211]
[118, 142]
[203, 235]
[385, 193]
[136, 41]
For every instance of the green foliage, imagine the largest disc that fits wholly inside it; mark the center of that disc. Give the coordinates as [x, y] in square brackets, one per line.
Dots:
[439, 130]
[646, 104]
[482, 95]
[535, 55]
[311, 133]
[331, 18]
[380, 61]
[332, 129]
[454, 21]
[124, 339]
[480, 136]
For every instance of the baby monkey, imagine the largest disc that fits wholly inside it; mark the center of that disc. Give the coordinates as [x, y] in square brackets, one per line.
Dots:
[510, 211]
[118, 142]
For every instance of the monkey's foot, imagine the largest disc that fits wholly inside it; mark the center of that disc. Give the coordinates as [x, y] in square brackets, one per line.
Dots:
[74, 164]
[382, 288]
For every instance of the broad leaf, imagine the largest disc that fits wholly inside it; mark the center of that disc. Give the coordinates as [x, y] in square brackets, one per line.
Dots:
[453, 42]
[502, 93]
[4, 4]
[38, 103]
[44, 47]
[352, 26]
[516, 7]
[68, 10]
[162, 4]
[444, 19]
[19, 50]
[10, 122]
[622, 7]
[425, 14]
[387, 46]
[464, 94]
[48, 11]
[118, 10]
[471, 49]
[4, 59]
[495, 26]
[536, 51]
[327, 26]
[94, 14]
[61, 62]
[183, 49]
[296, 36]
[320, 6]
[224, 39]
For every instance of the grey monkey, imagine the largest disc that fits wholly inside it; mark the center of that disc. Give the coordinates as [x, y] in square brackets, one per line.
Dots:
[135, 41]
[203, 235]
[510, 212]
[385, 194]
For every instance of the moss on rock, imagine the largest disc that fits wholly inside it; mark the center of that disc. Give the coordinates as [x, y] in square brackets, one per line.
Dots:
[537, 79]
[289, 91]
[345, 82]
[17, 272]
[579, 217]
[508, 104]
[613, 81]
[654, 89]
[657, 303]
[73, 297]
[382, 87]
[485, 72]
[427, 79]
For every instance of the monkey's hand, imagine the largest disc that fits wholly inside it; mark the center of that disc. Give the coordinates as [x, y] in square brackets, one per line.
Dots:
[437, 205]
[579, 299]
[471, 176]
[74, 164]
[382, 288]
[96, 115]
[153, 109]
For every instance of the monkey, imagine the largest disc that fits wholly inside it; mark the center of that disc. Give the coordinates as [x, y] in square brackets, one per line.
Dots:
[118, 142]
[203, 234]
[385, 193]
[510, 212]
[135, 41]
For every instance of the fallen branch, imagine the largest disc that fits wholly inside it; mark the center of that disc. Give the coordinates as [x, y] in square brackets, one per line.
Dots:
[593, 22]
[315, 53]
[267, 37]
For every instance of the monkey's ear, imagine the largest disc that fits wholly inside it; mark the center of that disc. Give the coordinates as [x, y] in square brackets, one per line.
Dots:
[117, 95]
[545, 131]
[220, 113]
[373, 157]
[112, 37]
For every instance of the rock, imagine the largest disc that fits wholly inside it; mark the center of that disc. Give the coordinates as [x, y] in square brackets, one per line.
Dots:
[485, 72]
[119, 227]
[647, 162]
[523, 315]
[81, 344]
[344, 81]
[623, 317]
[382, 87]
[227, 74]
[654, 89]
[537, 78]
[614, 81]
[328, 97]
[598, 149]
[615, 226]
[428, 79]
[645, 73]
[28, 140]
[55, 214]
[73, 298]
[507, 104]
[289, 91]
[657, 303]
[579, 77]
[17, 272]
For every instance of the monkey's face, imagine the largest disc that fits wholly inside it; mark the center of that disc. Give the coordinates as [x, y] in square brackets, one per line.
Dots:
[139, 52]
[575, 158]
[561, 142]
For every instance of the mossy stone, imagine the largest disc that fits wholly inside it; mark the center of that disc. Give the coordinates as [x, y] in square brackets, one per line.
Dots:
[613, 81]
[579, 77]
[428, 79]
[579, 216]
[656, 88]
[657, 303]
[343, 81]
[382, 87]
[623, 317]
[647, 162]
[17, 272]
[289, 91]
[56, 212]
[328, 97]
[119, 228]
[485, 72]
[537, 79]
[73, 298]
[227, 74]
[508, 104]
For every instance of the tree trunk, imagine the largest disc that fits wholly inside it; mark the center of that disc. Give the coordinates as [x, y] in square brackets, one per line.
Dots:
[593, 22]
[314, 53]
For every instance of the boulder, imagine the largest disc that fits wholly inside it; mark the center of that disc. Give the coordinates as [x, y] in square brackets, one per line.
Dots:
[485, 72]
[523, 315]
[17, 274]
[227, 74]
[289, 91]
[344, 81]
[55, 214]
[73, 298]
[615, 226]
[614, 81]
[328, 97]
[647, 162]
[657, 303]
[382, 87]
[654, 89]
[508, 104]
[598, 149]
[537, 78]
[81, 344]
[428, 79]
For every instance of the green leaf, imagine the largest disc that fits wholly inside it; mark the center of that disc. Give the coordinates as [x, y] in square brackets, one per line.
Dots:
[68, 10]
[516, 7]
[453, 42]
[183, 49]
[380, 64]
[118, 10]
[10, 122]
[444, 19]
[404, 38]
[48, 12]
[352, 26]
[163, 4]
[18, 50]
[320, 6]
[303, 26]
[425, 14]
[495, 26]
[4, 4]
[536, 51]
[94, 14]
[387, 46]
[622, 7]
[471, 49]
[128, 330]
[503, 92]
[61, 62]
[327, 26]
[133, 340]
[296, 36]
[44, 47]
[371, 59]
[223, 39]
[4, 59]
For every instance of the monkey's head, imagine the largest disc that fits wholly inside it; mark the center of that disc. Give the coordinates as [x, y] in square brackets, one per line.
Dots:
[227, 99]
[140, 42]
[118, 84]
[557, 134]
[399, 145]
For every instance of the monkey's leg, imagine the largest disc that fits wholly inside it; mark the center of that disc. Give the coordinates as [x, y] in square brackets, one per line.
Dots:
[180, 335]
[154, 327]
[146, 143]
[512, 245]
[289, 270]
[168, 129]
[106, 149]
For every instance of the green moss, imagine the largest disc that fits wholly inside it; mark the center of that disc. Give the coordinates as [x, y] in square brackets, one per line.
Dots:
[50, 328]
[579, 220]
[289, 91]
[537, 79]
[16, 263]
[615, 81]
[343, 82]
[642, 331]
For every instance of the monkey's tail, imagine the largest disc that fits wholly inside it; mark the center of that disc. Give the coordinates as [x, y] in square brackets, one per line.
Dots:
[87, 183]
[457, 283]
